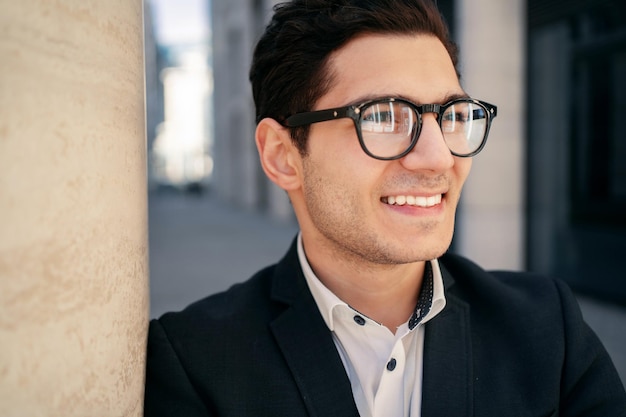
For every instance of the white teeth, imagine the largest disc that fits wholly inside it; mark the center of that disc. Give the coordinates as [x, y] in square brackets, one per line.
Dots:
[409, 200]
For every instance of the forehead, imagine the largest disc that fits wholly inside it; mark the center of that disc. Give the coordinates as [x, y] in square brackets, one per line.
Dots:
[413, 66]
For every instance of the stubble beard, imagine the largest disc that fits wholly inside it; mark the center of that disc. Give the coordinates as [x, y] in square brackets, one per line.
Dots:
[343, 232]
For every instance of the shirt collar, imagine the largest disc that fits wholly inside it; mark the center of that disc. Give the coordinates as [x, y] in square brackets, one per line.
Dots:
[431, 301]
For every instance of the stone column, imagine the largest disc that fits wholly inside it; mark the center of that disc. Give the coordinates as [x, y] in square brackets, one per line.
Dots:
[492, 43]
[73, 208]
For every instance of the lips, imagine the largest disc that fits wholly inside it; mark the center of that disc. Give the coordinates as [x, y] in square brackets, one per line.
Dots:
[413, 200]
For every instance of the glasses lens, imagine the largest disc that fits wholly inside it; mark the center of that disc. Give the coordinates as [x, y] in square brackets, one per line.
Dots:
[464, 125]
[388, 127]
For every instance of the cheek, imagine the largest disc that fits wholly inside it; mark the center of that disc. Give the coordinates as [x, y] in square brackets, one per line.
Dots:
[339, 186]
[340, 162]
[462, 167]
[336, 139]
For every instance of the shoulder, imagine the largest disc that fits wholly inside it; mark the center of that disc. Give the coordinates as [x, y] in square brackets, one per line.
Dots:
[534, 324]
[238, 315]
[467, 279]
[227, 325]
[197, 357]
[241, 305]
[511, 299]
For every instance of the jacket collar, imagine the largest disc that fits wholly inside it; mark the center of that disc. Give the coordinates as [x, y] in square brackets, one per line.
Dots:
[307, 344]
[448, 380]
[310, 352]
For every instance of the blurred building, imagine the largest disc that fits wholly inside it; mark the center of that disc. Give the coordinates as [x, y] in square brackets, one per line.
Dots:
[238, 177]
[179, 88]
[549, 191]
[154, 88]
[181, 152]
[576, 169]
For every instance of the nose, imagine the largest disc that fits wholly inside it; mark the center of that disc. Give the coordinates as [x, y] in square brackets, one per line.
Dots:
[430, 152]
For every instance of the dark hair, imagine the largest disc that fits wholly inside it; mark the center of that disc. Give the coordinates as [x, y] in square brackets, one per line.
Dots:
[289, 70]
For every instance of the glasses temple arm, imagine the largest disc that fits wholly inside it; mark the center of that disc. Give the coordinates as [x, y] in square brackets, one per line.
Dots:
[301, 119]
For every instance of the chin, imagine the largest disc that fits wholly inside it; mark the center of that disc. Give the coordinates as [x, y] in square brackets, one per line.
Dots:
[433, 247]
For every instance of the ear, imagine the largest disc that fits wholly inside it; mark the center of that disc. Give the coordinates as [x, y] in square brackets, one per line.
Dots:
[279, 156]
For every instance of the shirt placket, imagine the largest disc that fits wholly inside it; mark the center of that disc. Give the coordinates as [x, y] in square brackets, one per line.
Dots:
[389, 398]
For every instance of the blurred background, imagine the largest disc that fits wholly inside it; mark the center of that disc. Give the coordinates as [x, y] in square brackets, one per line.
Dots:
[548, 194]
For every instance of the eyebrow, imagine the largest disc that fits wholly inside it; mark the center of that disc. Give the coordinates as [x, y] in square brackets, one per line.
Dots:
[369, 97]
[455, 96]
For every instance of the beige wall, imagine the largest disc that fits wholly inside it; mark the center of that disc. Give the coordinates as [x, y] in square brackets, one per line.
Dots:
[73, 222]
[492, 38]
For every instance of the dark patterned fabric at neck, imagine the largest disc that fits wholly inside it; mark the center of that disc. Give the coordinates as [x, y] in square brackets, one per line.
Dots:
[425, 300]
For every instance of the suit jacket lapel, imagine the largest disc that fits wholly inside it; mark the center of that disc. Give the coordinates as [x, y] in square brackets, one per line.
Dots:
[307, 345]
[310, 352]
[447, 388]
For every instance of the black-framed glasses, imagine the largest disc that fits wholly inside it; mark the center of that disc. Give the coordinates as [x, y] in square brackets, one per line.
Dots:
[388, 128]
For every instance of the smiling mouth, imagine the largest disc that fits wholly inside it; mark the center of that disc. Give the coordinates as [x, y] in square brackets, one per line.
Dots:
[410, 200]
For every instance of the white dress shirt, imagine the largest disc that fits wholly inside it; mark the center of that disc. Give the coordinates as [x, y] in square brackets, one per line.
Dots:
[385, 369]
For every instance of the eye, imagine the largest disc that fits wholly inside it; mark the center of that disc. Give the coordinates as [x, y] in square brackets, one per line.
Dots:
[388, 117]
[456, 116]
[379, 117]
[378, 112]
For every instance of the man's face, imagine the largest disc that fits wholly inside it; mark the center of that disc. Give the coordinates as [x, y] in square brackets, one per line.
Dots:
[343, 206]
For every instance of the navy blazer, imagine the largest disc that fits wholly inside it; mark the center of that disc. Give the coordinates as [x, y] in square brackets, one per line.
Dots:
[506, 344]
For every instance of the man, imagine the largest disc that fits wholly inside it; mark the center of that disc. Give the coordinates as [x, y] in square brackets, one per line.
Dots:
[363, 122]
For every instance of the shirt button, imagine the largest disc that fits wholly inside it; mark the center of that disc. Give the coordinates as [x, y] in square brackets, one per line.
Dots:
[391, 365]
[359, 320]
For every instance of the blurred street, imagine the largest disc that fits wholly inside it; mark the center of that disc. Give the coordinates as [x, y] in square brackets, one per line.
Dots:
[199, 246]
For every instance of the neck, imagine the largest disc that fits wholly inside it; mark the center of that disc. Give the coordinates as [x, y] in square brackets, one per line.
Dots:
[385, 293]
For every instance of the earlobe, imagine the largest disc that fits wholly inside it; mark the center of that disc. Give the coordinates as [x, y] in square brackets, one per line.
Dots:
[278, 155]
